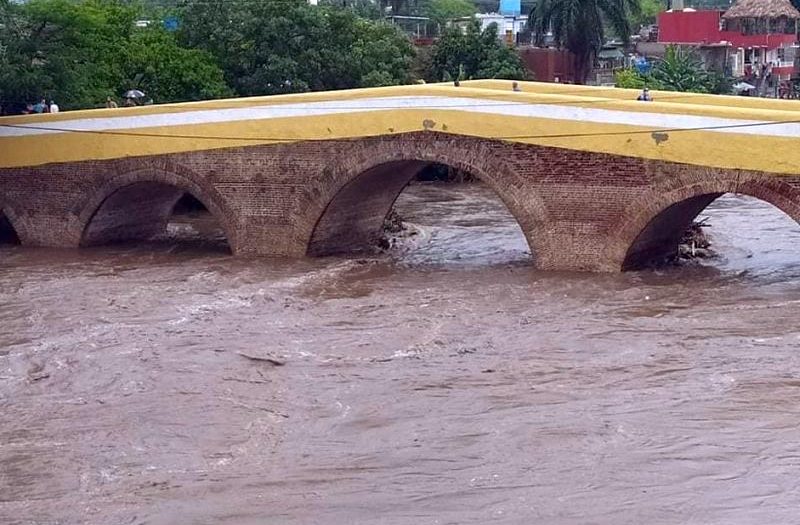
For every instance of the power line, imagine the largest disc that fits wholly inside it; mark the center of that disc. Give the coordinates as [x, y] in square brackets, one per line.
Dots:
[150, 135]
[649, 131]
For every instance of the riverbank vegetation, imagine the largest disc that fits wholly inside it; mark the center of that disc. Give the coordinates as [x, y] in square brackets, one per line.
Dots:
[79, 52]
[679, 70]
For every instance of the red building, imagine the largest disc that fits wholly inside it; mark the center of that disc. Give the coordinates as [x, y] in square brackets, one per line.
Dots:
[759, 35]
[549, 64]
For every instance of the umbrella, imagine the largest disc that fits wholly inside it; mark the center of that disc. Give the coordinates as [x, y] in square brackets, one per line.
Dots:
[133, 93]
[743, 86]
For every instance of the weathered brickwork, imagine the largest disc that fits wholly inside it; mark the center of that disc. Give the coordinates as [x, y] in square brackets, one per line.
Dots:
[578, 210]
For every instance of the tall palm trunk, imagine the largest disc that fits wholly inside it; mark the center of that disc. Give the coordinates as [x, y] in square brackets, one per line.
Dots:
[577, 25]
[584, 62]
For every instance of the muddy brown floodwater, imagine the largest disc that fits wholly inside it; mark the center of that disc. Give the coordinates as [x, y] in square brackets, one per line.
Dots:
[451, 383]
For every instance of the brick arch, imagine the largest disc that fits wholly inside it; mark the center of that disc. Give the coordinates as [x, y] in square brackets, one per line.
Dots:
[160, 187]
[653, 224]
[362, 182]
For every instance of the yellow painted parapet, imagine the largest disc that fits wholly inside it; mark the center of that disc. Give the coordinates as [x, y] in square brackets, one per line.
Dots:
[708, 130]
[614, 93]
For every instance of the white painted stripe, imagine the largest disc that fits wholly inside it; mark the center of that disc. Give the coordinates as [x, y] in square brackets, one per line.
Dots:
[470, 105]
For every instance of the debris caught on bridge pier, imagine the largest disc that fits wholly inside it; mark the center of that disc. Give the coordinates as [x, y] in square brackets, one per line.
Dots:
[695, 244]
[395, 232]
[393, 223]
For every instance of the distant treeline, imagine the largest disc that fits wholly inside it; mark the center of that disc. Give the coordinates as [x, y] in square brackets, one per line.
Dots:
[79, 52]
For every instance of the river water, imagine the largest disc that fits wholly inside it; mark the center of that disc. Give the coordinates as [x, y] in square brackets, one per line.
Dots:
[450, 383]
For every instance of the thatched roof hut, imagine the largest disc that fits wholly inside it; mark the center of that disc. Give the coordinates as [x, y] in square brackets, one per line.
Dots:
[762, 9]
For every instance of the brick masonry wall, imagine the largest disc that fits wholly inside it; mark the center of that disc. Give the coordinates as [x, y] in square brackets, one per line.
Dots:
[578, 210]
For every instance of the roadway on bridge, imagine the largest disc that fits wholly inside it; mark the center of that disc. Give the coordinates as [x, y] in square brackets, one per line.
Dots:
[706, 130]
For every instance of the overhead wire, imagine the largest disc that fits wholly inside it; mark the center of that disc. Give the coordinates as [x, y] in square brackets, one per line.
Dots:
[150, 135]
[477, 104]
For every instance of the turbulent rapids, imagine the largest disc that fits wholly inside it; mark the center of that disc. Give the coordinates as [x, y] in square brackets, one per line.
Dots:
[169, 382]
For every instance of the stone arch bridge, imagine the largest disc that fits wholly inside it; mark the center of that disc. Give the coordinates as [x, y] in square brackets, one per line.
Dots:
[596, 180]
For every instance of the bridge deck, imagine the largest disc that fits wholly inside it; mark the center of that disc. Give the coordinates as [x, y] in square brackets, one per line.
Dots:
[706, 130]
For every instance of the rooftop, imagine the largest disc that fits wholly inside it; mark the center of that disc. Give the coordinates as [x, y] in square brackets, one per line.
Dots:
[762, 9]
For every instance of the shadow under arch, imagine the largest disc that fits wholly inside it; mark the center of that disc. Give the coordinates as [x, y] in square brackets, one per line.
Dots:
[362, 186]
[653, 225]
[9, 234]
[139, 204]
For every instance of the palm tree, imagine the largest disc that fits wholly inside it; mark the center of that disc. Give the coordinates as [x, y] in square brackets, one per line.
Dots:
[579, 26]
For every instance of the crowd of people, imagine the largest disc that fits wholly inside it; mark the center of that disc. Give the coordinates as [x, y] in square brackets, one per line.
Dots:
[43, 106]
[49, 106]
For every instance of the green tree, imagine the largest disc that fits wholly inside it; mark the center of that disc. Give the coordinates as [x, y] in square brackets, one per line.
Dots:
[78, 52]
[631, 79]
[474, 54]
[679, 70]
[648, 13]
[167, 72]
[288, 46]
[578, 25]
[61, 50]
[16, 80]
[443, 11]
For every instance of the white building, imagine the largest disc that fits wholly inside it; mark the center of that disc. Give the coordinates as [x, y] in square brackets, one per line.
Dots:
[508, 26]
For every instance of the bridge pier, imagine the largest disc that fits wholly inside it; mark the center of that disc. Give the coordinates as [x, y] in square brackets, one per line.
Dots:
[568, 249]
[35, 220]
[263, 237]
